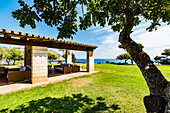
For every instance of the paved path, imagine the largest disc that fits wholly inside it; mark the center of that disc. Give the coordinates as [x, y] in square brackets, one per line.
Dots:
[21, 86]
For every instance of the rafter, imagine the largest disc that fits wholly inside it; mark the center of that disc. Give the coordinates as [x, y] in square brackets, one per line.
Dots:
[26, 39]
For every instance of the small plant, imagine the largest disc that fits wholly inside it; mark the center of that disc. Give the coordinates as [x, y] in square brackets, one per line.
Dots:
[107, 62]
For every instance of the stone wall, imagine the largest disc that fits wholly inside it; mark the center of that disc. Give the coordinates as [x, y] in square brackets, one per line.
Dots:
[37, 57]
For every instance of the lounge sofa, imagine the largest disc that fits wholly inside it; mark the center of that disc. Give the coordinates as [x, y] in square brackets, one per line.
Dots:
[66, 68]
[16, 75]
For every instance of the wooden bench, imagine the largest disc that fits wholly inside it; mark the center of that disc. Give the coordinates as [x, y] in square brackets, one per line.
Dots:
[18, 76]
[63, 70]
[69, 69]
[76, 68]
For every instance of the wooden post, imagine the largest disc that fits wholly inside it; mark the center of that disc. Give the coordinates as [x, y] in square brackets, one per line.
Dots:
[36, 57]
[90, 61]
[27, 59]
[68, 56]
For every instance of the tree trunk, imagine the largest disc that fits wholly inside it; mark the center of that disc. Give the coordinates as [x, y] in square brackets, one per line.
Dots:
[125, 61]
[14, 62]
[131, 61]
[8, 61]
[159, 99]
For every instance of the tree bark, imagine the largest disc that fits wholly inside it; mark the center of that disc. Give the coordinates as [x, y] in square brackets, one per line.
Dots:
[131, 61]
[8, 61]
[125, 61]
[14, 62]
[159, 99]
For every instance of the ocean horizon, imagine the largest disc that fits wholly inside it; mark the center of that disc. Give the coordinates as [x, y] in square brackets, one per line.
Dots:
[99, 61]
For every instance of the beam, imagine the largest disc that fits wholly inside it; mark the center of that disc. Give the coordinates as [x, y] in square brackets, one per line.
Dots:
[49, 44]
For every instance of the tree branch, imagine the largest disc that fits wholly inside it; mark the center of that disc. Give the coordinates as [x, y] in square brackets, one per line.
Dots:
[73, 7]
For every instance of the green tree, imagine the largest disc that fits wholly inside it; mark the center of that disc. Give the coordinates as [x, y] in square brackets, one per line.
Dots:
[14, 54]
[3, 53]
[163, 59]
[157, 59]
[125, 57]
[73, 57]
[166, 52]
[122, 16]
[52, 56]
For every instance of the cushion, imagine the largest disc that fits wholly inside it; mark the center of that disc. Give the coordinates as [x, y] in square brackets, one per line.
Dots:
[59, 68]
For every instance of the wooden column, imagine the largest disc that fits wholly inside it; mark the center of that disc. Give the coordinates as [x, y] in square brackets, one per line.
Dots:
[90, 61]
[68, 56]
[36, 57]
[27, 59]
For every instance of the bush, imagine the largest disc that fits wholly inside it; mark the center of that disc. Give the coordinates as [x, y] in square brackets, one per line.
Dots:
[107, 62]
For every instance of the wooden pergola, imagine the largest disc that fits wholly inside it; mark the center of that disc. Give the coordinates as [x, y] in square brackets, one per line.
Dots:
[32, 40]
[36, 48]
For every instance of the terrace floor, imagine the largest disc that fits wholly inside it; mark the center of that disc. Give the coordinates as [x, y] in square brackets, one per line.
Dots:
[56, 77]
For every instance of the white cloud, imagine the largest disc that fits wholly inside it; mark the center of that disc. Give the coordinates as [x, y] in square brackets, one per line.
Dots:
[109, 51]
[109, 46]
[108, 39]
[154, 42]
[100, 30]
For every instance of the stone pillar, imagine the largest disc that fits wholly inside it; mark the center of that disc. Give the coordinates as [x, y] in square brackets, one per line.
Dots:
[68, 56]
[36, 57]
[90, 61]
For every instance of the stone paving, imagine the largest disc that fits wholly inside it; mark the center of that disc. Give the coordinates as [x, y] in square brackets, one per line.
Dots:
[8, 88]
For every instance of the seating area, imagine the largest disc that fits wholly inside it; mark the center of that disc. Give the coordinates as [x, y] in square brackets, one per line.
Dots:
[14, 74]
[2, 72]
[67, 68]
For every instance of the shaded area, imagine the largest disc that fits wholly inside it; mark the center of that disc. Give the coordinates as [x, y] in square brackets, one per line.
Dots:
[68, 104]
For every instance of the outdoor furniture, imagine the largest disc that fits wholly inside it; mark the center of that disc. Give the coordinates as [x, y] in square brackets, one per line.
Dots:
[15, 75]
[76, 68]
[67, 68]
[18, 75]
[50, 70]
[63, 69]
[2, 71]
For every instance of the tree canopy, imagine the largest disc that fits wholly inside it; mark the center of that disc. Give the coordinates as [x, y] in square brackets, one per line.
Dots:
[125, 57]
[52, 56]
[14, 54]
[10, 54]
[122, 16]
[163, 59]
[166, 52]
[3, 53]
[63, 14]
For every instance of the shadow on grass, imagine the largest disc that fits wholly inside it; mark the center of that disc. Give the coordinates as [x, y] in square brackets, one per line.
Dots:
[67, 104]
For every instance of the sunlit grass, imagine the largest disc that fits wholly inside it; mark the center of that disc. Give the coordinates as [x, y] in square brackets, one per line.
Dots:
[121, 85]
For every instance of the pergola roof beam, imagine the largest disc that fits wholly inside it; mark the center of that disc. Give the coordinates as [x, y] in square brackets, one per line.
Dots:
[26, 39]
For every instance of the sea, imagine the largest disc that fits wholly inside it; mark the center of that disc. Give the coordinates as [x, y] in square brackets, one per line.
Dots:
[99, 61]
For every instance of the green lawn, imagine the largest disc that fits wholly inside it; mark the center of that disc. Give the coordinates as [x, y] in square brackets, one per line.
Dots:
[116, 88]
[9, 66]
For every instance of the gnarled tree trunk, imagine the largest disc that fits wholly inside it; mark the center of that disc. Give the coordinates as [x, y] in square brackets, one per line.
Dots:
[159, 99]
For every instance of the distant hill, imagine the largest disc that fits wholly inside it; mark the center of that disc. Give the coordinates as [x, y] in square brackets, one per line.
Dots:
[59, 56]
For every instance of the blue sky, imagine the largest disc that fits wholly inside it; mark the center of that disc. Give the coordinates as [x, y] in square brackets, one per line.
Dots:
[103, 37]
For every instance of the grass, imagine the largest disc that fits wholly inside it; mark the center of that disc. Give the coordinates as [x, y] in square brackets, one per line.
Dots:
[9, 66]
[116, 88]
